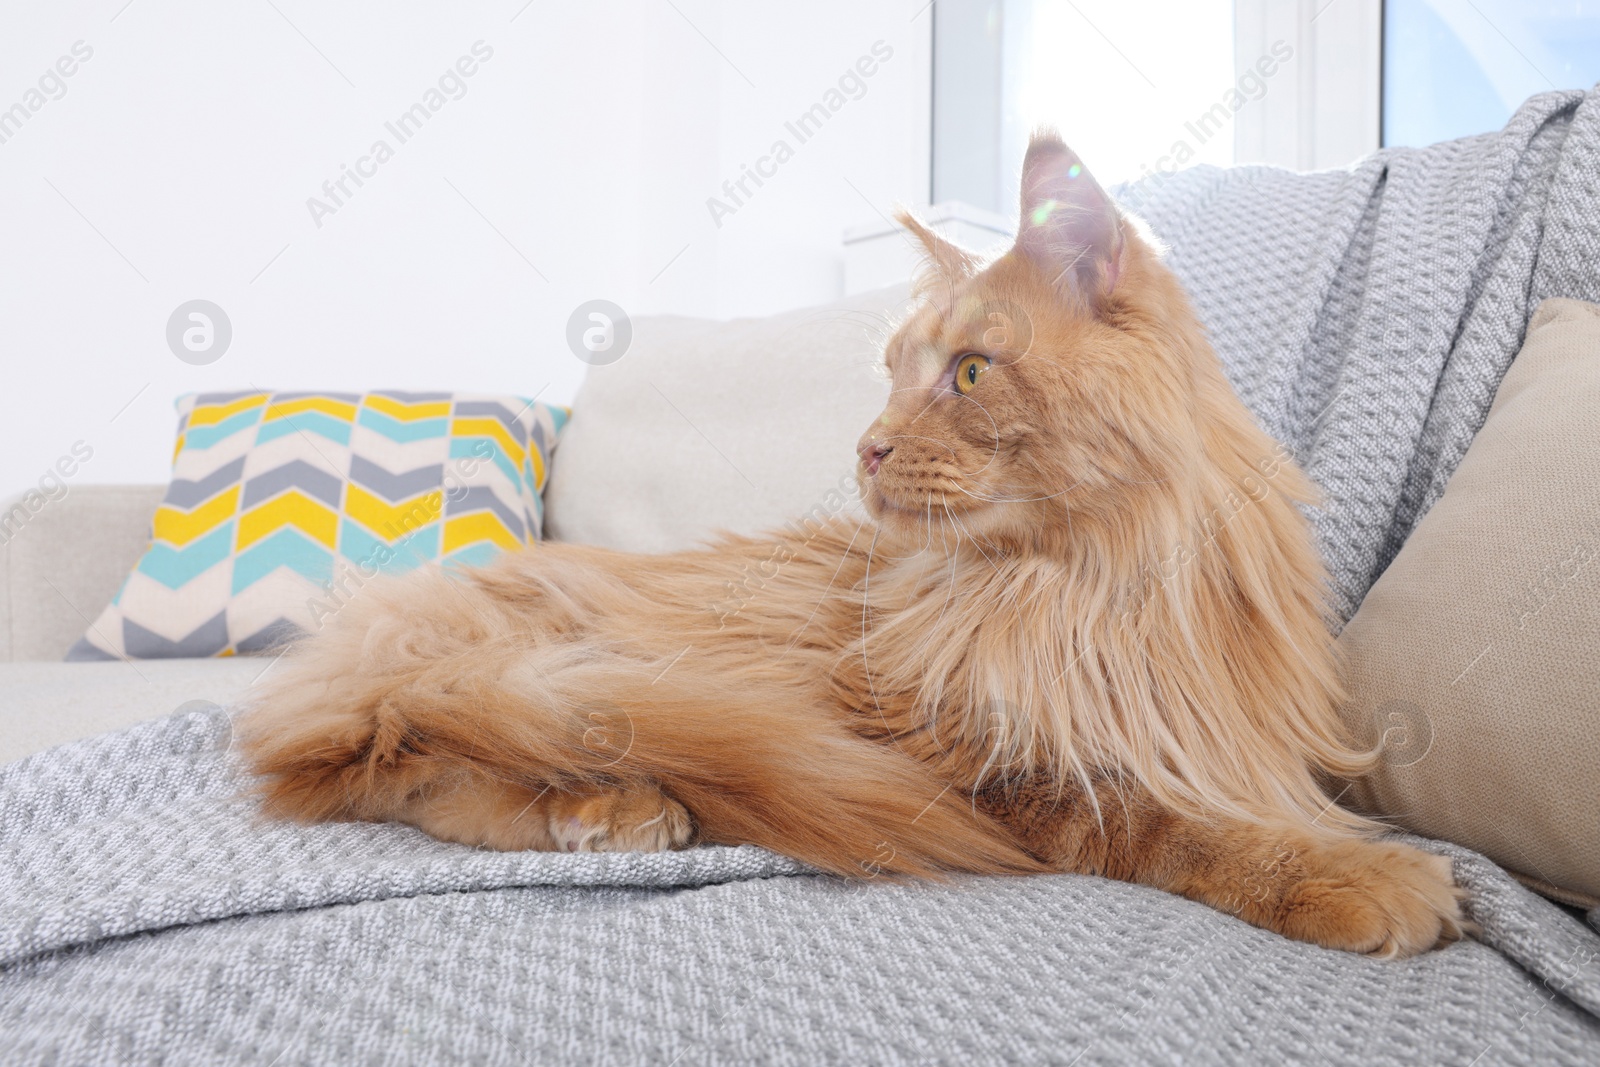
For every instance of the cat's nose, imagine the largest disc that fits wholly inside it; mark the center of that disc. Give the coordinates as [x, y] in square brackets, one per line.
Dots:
[872, 455]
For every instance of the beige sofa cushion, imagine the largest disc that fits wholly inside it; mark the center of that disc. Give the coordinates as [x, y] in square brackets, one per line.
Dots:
[1474, 658]
[703, 425]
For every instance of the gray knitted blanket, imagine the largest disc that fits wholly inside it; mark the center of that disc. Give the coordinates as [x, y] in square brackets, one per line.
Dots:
[1367, 315]
[148, 916]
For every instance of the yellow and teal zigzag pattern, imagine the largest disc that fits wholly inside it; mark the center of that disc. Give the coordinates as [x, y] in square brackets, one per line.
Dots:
[277, 499]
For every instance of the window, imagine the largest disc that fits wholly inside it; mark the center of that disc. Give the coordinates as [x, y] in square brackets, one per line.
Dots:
[1131, 87]
[1457, 67]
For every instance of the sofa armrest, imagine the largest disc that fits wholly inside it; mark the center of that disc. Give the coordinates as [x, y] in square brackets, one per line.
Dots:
[62, 559]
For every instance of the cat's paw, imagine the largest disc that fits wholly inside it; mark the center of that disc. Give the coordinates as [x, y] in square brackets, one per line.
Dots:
[642, 820]
[1379, 898]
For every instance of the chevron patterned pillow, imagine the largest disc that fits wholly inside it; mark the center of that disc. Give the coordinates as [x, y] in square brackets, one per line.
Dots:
[282, 505]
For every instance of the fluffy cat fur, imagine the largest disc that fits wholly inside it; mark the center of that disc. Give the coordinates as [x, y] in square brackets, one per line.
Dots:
[1082, 631]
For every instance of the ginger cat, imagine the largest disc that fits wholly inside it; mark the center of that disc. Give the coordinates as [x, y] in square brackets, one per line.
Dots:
[1082, 632]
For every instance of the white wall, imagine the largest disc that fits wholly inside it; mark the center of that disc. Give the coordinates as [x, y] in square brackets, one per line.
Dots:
[178, 163]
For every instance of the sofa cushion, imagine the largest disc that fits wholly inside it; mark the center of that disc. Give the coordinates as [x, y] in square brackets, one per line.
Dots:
[1472, 660]
[283, 504]
[47, 704]
[740, 425]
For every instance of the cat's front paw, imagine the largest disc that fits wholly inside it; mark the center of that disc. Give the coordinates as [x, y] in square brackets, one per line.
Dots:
[642, 820]
[1379, 898]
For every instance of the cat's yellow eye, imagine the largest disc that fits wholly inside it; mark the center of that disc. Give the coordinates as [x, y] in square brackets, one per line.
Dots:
[969, 368]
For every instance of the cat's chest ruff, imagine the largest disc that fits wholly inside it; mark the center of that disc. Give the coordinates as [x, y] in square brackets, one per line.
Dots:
[968, 621]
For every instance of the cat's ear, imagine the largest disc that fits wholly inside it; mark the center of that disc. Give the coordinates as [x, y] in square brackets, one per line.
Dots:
[1069, 225]
[947, 262]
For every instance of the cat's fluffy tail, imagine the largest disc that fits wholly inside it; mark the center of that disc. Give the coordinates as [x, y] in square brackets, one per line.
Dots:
[363, 727]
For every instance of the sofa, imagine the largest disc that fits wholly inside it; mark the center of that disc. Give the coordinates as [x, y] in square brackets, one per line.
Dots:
[1366, 316]
[57, 571]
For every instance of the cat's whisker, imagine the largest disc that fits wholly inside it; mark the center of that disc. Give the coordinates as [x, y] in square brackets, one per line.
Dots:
[1019, 499]
[950, 520]
[866, 665]
[974, 541]
[949, 594]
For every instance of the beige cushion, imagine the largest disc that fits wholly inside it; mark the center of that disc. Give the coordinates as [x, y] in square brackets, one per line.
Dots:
[46, 704]
[1475, 655]
[740, 425]
[62, 561]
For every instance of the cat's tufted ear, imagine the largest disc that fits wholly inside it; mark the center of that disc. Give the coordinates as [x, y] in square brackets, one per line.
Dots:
[947, 262]
[1069, 226]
